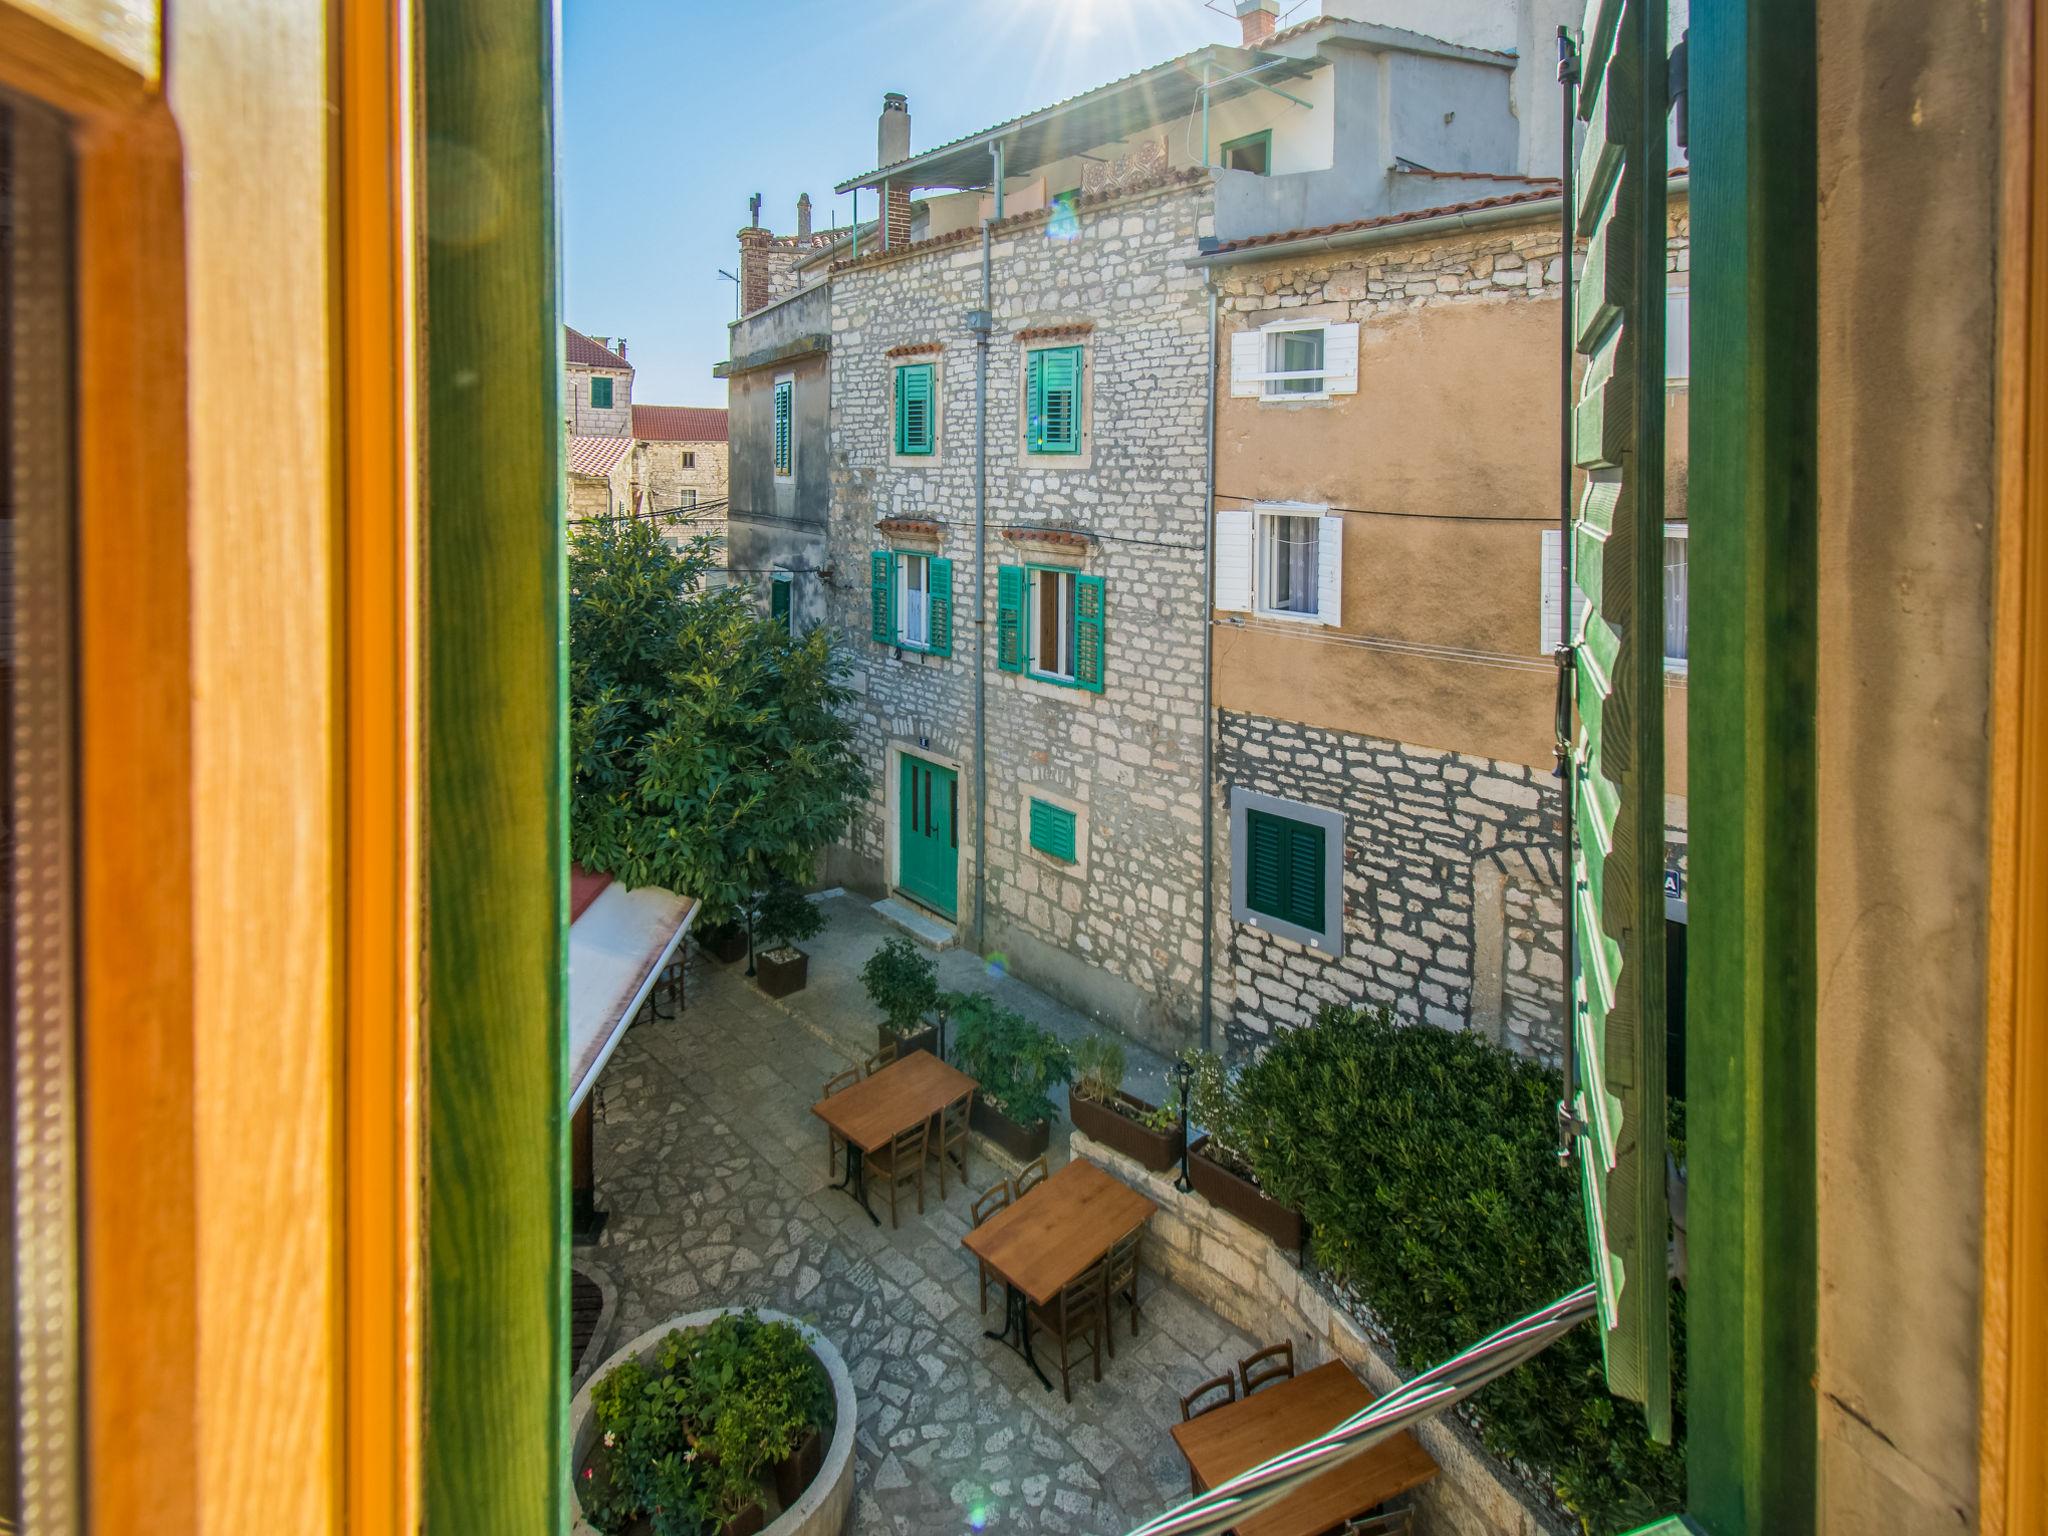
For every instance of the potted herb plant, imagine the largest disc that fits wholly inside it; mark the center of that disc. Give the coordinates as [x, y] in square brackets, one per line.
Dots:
[902, 982]
[1016, 1064]
[1148, 1133]
[1220, 1162]
[783, 916]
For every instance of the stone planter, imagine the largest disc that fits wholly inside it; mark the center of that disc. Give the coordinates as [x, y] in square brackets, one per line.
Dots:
[724, 945]
[782, 971]
[1021, 1141]
[823, 1507]
[1243, 1199]
[926, 1039]
[1155, 1150]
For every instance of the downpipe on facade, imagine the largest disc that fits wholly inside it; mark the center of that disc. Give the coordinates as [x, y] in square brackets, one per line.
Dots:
[982, 323]
[1209, 688]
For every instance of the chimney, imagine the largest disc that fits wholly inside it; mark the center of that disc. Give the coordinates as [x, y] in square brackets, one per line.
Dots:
[803, 217]
[754, 242]
[892, 144]
[754, 211]
[621, 349]
[1260, 19]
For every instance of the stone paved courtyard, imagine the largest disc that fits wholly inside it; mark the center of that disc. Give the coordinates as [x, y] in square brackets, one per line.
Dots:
[713, 1169]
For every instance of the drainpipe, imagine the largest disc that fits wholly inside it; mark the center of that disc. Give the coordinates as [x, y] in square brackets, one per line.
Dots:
[1209, 690]
[1567, 769]
[981, 323]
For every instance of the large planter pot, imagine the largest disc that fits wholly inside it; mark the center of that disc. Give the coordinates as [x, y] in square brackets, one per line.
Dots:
[1021, 1141]
[782, 971]
[823, 1507]
[1238, 1195]
[926, 1039]
[1155, 1150]
[725, 944]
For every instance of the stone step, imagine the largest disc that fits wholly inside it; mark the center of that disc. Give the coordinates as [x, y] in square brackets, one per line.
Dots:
[918, 923]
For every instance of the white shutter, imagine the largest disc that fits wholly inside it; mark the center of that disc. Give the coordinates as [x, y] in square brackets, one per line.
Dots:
[1340, 359]
[1553, 574]
[1330, 571]
[1247, 363]
[1677, 333]
[1234, 560]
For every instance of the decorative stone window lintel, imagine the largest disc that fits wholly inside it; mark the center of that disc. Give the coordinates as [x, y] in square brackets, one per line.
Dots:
[911, 531]
[1056, 332]
[1058, 544]
[917, 349]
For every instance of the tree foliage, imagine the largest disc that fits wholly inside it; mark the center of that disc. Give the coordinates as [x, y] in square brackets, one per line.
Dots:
[708, 752]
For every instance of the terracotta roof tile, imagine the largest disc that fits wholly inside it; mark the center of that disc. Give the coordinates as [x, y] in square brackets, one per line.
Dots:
[1391, 220]
[680, 423]
[596, 455]
[585, 353]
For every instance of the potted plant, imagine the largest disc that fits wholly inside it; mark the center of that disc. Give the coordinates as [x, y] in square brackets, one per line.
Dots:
[782, 915]
[1220, 1162]
[723, 942]
[1148, 1133]
[1016, 1065]
[694, 1434]
[904, 984]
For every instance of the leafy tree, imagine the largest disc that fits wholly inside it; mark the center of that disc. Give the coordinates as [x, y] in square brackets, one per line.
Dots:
[708, 752]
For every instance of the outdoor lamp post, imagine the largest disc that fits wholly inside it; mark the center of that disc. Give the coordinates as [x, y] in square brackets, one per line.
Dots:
[1184, 1076]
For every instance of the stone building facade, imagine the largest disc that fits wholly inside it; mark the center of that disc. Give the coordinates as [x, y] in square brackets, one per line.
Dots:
[682, 467]
[1116, 927]
[628, 459]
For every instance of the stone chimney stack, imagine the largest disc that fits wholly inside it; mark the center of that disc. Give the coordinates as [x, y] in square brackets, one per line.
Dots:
[803, 217]
[892, 144]
[1260, 20]
[754, 243]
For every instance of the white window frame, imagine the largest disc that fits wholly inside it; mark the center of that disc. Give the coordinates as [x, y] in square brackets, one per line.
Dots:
[689, 501]
[1678, 336]
[1064, 580]
[1680, 666]
[1252, 376]
[920, 641]
[1264, 515]
[1271, 378]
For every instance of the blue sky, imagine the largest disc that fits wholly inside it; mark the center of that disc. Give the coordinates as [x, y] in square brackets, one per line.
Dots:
[676, 111]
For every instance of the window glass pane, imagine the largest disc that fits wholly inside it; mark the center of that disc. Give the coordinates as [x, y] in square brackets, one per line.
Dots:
[913, 604]
[1295, 352]
[1675, 550]
[1052, 599]
[1290, 563]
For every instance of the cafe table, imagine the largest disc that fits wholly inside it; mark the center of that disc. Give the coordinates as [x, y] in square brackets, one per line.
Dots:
[1042, 1243]
[1241, 1435]
[881, 1106]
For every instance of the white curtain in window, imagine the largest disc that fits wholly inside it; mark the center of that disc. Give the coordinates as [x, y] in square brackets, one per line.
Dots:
[1293, 563]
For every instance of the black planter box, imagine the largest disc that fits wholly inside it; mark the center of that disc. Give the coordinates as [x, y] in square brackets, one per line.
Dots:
[1023, 1142]
[793, 1474]
[1244, 1199]
[926, 1039]
[723, 944]
[1156, 1150]
[780, 972]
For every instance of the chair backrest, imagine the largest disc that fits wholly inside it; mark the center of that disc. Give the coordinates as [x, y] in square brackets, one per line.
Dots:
[911, 1143]
[1274, 1363]
[881, 1059]
[1122, 1263]
[843, 1080]
[1224, 1390]
[953, 1120]
[1029, 1177]
[1082, 1294]
[990, 1201]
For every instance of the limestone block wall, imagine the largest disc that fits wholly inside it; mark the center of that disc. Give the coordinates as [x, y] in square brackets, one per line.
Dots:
[663, 477]
[1118, 933]
[587, 420]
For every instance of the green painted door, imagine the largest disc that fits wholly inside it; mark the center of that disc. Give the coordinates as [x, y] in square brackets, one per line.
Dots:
[928, 835]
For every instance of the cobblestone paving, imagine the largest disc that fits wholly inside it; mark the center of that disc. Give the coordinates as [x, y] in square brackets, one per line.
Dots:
[713, 1169]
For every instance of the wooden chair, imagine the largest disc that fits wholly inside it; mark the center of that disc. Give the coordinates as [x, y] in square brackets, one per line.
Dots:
[990, 1201]
[949, 1130]
[1029, 1177]
[901, 1161]
[833, 1140]
[1393, 1522]
[1120, 1283]
[1275, 1363]
[1192, 1407]
[886, 1056]
[1076, 1313]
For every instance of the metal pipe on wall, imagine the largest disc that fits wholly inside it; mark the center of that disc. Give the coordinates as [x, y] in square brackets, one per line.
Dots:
[982, 323]
[1567, 772]
[1209, 691]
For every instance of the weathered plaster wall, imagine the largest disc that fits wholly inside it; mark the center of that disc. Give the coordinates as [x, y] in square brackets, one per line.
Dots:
[779, 524]
[1909, 97]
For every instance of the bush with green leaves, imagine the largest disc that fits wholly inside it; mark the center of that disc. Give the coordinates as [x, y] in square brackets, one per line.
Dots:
[1099, 1068]
[901, 980]
[1016, 1063]
[1425, 1164]
[1216, 1108]
[686, 1445]
[785, 915]
[709, 751]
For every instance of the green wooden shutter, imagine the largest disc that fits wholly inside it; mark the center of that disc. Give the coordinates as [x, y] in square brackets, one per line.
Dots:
[1052, 829]
[914, 419]
[939, 608]
[1088, 657]
[778, 602]
[1054, 385]
[1305, 875]
[1034, 402]
[1617, 772]
[882, 597]
[1010, 618]
[1265, 876]
[783, 393]
[600, 394]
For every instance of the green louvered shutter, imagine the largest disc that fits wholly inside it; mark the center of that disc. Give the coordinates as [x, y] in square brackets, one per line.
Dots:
[939, 608]
[1305, 875]
[783, 399]
[1052, 829]
[1265, 876]
[1054, 384]
[882, 597]
[914, 409]
[1088, 658]
[1010, 618]
[1618, 761]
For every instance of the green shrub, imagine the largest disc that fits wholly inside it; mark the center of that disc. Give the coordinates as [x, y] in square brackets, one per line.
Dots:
[687, 1443]
[1016, 1063]
[1425, 1164]
[1217, 1108]
[785, 915]
[1099, 1068]
[901, 981]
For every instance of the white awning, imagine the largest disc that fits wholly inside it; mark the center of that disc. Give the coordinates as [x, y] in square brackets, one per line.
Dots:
[617, 949]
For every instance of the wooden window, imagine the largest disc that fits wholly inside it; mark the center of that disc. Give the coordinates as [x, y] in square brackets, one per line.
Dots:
[913, 591]
[916, 407]
[785, 444]
[1052, 829]
[1053, 385]
[1052, 625]
[911, 601]
[689, 461]
[600, 394]
[1253, 152]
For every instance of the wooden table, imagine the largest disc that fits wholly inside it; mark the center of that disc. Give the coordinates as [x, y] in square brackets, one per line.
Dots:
[876, 1109]
[1235, 1438]
[1042, 1243]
